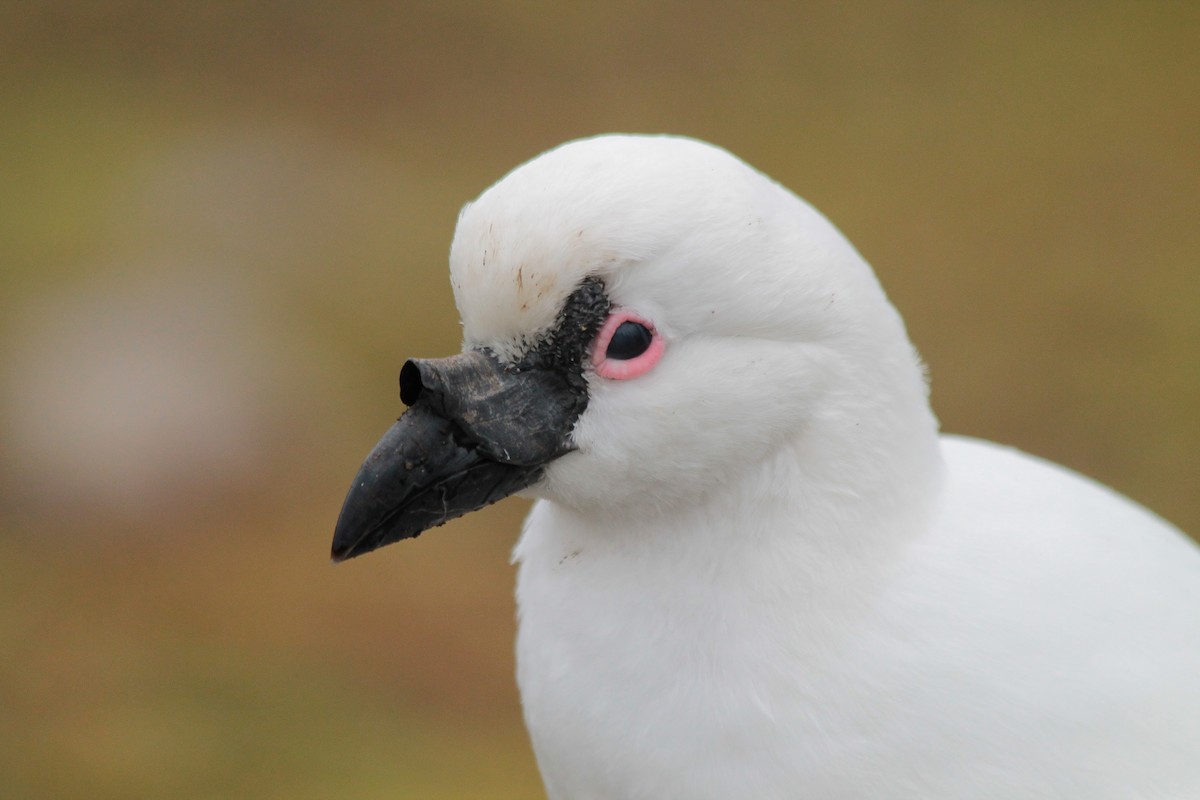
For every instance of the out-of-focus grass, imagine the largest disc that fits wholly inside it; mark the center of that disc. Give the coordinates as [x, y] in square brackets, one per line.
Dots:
[239, 663]
[1023, 179]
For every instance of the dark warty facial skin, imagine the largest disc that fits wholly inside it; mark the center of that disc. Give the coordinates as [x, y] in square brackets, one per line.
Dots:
[476, 431]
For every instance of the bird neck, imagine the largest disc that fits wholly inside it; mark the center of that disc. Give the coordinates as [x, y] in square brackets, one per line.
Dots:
[840, 493]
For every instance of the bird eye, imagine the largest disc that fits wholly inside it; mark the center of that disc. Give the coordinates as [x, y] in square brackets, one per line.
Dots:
[626, 346]
[629, 340]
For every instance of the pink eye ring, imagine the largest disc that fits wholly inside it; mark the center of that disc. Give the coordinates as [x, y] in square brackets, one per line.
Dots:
[626, 346]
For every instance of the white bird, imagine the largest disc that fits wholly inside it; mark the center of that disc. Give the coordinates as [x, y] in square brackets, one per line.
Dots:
[754, 569]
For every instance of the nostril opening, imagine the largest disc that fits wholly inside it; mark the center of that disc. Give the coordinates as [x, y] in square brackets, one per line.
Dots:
[410, 383]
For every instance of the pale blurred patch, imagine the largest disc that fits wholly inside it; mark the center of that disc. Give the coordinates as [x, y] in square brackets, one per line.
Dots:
[134, 392]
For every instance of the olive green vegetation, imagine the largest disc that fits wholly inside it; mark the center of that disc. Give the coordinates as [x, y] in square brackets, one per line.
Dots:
[268, 190]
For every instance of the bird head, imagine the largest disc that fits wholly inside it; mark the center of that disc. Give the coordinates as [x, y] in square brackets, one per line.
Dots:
[643, 317]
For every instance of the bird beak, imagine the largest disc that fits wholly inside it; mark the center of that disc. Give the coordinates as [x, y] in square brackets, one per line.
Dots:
[475, 432]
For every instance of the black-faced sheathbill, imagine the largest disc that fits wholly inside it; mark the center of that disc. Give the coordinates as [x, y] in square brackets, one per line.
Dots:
[755, 569]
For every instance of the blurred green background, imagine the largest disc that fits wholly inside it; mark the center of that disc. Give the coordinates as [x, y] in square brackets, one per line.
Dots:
[223, 226]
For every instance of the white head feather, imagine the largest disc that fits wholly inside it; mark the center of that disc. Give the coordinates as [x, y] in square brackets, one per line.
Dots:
[776, 329]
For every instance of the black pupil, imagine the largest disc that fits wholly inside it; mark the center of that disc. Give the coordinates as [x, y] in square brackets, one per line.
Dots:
[629, 340]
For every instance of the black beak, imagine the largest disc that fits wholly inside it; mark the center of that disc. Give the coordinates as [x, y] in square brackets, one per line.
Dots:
[475, 432]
